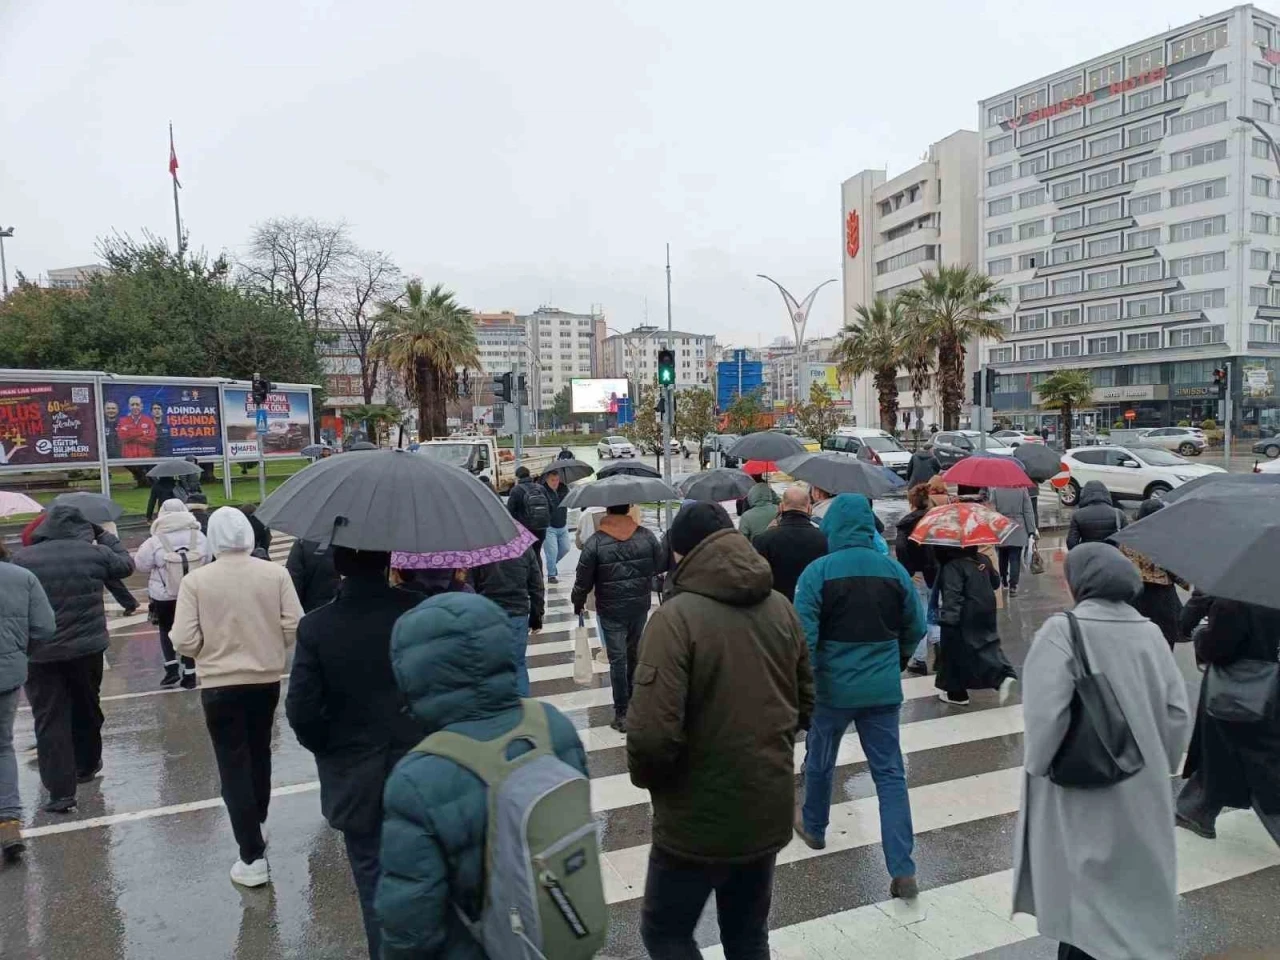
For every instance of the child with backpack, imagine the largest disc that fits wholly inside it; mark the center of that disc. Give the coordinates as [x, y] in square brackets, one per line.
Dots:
[175, 548]
[489, 849]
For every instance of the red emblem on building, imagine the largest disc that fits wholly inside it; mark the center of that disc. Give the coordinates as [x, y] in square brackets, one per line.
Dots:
[852, 235]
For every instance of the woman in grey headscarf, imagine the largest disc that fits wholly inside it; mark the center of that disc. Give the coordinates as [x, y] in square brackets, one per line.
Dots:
[1096, 866]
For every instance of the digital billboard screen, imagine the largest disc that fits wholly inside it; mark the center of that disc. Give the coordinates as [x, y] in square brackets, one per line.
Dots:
[287, 428]
[47, 423]
[597, 395]
[158, 420]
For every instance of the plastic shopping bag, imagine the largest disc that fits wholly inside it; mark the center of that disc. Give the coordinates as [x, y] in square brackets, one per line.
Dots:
[583, 673]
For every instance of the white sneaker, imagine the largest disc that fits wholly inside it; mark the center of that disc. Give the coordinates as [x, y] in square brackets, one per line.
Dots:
[942, 695]
[1006, 689]
[253, 874]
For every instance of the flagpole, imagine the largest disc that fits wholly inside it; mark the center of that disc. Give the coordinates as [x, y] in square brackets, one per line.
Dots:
[173, 173]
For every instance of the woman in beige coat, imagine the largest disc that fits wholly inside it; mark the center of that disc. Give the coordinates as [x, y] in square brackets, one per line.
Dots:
[1097, 866]
[238, 617]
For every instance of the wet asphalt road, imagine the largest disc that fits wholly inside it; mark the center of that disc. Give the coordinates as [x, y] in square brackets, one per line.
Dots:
[140, 870]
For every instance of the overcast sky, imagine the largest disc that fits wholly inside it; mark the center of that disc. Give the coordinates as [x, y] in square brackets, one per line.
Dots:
[521, 153]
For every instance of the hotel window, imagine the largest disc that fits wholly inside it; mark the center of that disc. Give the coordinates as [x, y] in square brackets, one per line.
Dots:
[1147, 60]
[1029, 261]
[1062, 89]
[997, 237]
[1104, 278]
[1106, 110]
[1029, 168]
[1258, 296]
[1260, 149]
[997, 207]
[1204, 153]
[1147, 203]
[1031, 351]
[1065, 254]
[1146, 98]
[1197, 43]
[1065, 285]
[1103, 344]
[1198, 119]
[1196, 229]
[1103, 312]
[1103, 376]
[1068, 122]
[1262, 110]
[1146, 307]
[1199, 82]
[1262, 35]
[1104, 212]
[1143, 168]
[1108, 144]
[1102, 246]
[1031, 230]
[1067, 188]
[998, 268]
[1104, 179]
[1200, 263]
[1260, 186]
[1197, 300]
[1259, 332]
[999, 175]
[1031, 198]
[1198, 192]
[1031, 135]
[1031, 101]
[1143, 341]
[1032, 321]
[1066, 221]
[1144, 373]
[1068, 155]
[1146, 133]
[1000, 145]
[1197, 336]
[1000, 355]
[1144, 272]
[1259, 223]
[1001, 111]
[1031, 291]
[1262, 73]
[1064, 348]
[1105, 75]
[1259, 260]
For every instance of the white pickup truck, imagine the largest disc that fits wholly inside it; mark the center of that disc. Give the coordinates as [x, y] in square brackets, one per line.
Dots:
[481, 457]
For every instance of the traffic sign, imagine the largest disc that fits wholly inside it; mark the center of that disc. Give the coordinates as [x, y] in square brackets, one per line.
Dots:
[1131, 415]
[262, 421]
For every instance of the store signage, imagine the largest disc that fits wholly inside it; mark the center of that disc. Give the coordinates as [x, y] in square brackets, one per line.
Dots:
[1194, 392]
[1072, 103]
[852, 235]
[1139, 392]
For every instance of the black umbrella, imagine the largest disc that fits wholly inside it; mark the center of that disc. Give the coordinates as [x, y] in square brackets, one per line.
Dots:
[769, 445]
[94, 507]
[174, 468]
[570, 471]
[1213, 484]
[1237, 561]
[628, 468]
[722, 483]
[838, 473]
[314, 449]
[617, 490]
[396, 501]
[1041, 463]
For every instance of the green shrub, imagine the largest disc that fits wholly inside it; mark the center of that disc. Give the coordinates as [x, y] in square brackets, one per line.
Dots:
[1118, 425]
[1209, 424]
[1184, 423]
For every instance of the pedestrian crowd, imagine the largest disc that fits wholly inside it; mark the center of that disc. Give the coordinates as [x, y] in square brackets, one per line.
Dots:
[411, 689]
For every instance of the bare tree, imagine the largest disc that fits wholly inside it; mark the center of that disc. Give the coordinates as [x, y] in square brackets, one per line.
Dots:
[370, 282]
[302, 260]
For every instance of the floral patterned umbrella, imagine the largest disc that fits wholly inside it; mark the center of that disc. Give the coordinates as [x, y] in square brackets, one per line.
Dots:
[963, 524]
[465, 559]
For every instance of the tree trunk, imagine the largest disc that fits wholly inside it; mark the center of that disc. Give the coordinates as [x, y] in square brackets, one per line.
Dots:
[1065, 414]
[950, 384]
[423, 376]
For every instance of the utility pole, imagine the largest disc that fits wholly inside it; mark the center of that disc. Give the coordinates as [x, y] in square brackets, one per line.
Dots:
[668, 396]
[1226, 434]
[4, 269]
[515, 385]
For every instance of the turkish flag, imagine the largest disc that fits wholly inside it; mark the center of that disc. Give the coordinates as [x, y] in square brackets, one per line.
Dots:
[173, 158]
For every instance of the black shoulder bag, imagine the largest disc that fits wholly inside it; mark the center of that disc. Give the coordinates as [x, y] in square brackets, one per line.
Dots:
[1246, 691]
[1099, 749]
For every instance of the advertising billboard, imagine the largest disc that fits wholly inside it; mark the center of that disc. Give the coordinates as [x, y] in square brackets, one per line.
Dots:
[288, 424]
[596, 395]
[151, 421]
[47, 424]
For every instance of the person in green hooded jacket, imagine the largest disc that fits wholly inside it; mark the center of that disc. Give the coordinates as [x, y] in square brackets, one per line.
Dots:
[452, 660]
[762, 508]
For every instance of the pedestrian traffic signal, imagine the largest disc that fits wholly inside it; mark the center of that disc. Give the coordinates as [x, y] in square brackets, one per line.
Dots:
[1220, 382]
[259, 388]
[502, 386]
[667, 368]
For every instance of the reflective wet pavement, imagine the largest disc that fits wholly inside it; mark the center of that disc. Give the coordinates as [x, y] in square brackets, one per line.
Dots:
[140, 870]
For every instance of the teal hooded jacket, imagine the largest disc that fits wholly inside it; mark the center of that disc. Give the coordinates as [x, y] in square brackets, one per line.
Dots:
[452, 659]
[860, 612]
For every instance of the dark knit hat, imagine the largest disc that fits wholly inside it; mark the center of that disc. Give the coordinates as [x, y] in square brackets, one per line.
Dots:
[694, 523]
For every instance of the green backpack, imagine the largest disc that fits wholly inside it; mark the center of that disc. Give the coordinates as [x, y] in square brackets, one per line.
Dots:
[544, 897]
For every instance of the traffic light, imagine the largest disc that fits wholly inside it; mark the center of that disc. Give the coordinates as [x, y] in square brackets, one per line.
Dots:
[977, 388]
[502, 386]
[259, 388]
[667, 368]
[1220, 382]
[984, 387]
[522, 394]
[990, 391]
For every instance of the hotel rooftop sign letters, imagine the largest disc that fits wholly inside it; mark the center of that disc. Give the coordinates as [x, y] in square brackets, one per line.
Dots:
[1102, 93]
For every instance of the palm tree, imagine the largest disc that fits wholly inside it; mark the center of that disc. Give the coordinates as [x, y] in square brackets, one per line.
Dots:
[953, 307]
[873, 343]
[427, 337]
[1066, 390]
[918, 357]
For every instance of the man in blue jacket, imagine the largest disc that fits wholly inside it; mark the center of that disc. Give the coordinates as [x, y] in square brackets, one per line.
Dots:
[861, 618]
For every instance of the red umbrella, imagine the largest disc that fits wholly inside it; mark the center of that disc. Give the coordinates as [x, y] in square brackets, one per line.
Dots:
[988, 472]
[963, 524]
[757, 467]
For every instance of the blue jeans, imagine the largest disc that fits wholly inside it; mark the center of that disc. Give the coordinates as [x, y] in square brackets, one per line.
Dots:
[10, 802]
[878, 732]
[555, 547]
[519, 643]
[621, 640]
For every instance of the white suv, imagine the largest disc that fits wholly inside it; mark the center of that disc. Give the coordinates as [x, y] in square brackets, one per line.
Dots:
[1188, 441]
[891, 453]
[614, 447]
[1130, 473]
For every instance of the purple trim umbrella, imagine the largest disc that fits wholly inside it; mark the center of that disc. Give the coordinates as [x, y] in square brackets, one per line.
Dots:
[464, 559]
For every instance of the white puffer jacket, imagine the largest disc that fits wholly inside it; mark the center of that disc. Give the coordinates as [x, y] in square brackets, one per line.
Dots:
[170, 531]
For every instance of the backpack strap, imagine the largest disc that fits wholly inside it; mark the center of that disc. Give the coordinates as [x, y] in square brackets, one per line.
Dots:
[487, 759]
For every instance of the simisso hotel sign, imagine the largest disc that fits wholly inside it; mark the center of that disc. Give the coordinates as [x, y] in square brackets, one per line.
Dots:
[1072, 103]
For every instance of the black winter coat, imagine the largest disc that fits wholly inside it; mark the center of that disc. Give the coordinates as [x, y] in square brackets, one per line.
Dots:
[619, 563]
[790, 547]
[915, 557]
[73, 569]
[313, 574]
[922, 468]
[969, 656]
[343, 702]
[261, 535]
[165, 488]
[515, 586]
[518, 505]
[1239, 762]
[559, 514]
[1096, 518]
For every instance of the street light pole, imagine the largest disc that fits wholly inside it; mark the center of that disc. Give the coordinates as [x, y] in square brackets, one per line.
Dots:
[668, 414]
[4, 269]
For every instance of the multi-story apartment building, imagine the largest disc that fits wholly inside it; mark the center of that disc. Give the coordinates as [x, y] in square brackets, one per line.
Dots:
[566, 347]
[893, 229]
[635, 355]
[1130, 207]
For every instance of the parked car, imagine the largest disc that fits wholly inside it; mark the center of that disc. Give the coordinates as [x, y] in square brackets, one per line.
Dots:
[1269, 447]
[1271, 466]
[614, 447]
[952, 446]
[653, 448]
[1013, 438]
[854, 446]
[1130, 473]
[716, 444]
[1188, 441]
[884, 445]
